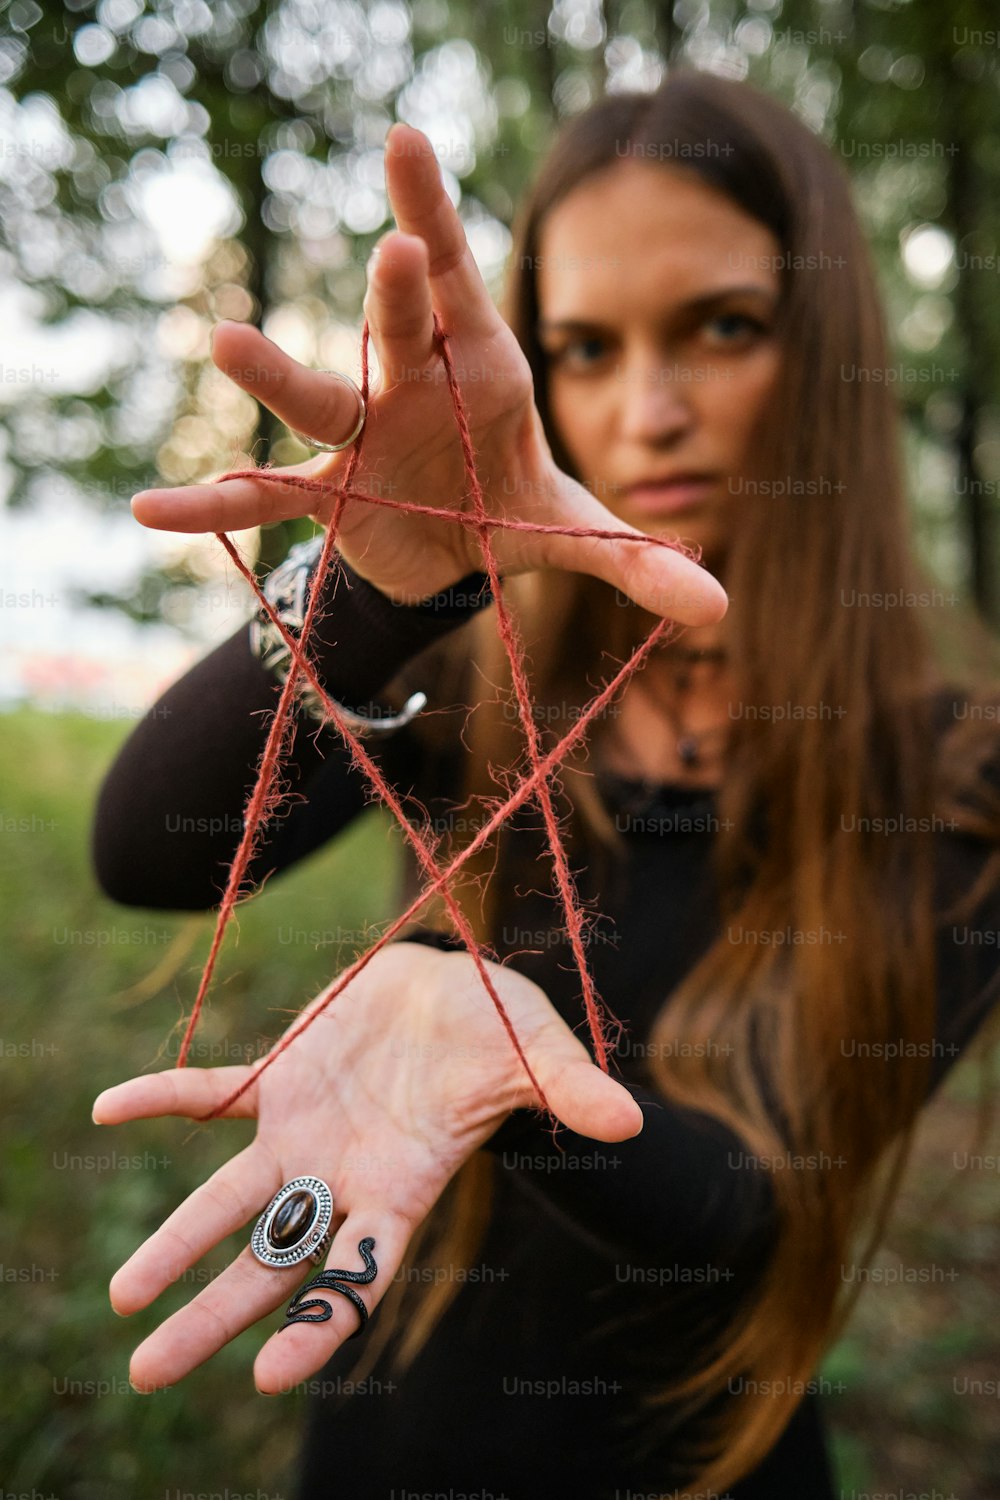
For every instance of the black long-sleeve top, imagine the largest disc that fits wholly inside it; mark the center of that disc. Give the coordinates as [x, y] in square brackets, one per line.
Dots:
[601, 1263]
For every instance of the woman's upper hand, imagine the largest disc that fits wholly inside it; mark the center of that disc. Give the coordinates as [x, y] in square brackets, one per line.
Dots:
[411, 449]
[400, 1079]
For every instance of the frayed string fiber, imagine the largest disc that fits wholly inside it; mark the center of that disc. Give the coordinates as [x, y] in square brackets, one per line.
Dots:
[266, 796]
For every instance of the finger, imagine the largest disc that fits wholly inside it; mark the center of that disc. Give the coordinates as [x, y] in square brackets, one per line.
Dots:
[178, 1091]
[657, 578]
[308, 401]
[235, 504]
[422, 207]
[588, 1101]
[240, 1296]
[399, 309]
[298, 1350]
[238, 1192]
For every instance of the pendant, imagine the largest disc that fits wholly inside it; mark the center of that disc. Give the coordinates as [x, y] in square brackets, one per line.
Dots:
[687, 749]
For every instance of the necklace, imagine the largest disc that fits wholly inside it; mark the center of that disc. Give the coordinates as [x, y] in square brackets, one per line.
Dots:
[691, 745]
[688, 655]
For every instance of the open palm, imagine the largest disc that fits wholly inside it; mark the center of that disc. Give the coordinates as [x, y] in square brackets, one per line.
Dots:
[410, 449]
[384, 1096]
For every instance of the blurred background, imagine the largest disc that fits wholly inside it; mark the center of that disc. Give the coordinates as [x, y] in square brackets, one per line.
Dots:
[165, 165]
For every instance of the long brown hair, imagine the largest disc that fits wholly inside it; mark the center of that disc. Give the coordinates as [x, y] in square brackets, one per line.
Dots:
[822, 532]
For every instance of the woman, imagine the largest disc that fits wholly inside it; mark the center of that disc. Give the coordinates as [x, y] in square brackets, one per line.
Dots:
[767, 829]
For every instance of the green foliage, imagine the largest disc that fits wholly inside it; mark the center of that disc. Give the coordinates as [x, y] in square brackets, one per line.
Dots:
[286, 106]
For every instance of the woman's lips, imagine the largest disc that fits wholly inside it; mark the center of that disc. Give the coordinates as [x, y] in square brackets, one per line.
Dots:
[663, 498]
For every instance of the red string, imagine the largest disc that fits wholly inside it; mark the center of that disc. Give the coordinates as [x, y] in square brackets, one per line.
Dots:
[266, 796]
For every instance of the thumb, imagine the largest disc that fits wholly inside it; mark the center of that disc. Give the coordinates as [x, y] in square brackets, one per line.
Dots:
[664, 580]
[591, 1103]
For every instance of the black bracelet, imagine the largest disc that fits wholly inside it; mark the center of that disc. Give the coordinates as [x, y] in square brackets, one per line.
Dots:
[432, 938]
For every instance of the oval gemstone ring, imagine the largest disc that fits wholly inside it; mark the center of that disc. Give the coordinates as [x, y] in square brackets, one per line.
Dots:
[295, 1225]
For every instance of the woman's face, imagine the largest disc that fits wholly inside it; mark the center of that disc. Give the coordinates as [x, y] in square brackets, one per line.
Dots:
[657, 299]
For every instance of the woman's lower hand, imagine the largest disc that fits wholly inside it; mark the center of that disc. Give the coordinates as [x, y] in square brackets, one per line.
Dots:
[411, 449]
[400, 1079]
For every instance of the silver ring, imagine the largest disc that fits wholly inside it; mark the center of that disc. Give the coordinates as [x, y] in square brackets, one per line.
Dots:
[295, 1225]
[362, 416]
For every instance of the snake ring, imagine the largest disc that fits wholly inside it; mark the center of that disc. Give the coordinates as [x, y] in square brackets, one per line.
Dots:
[305, 1309]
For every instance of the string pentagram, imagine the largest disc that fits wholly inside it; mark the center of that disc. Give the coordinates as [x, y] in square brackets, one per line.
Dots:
[266, 797]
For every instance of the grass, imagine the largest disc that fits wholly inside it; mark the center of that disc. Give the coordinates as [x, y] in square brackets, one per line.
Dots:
[93, 994]
[920, 1361]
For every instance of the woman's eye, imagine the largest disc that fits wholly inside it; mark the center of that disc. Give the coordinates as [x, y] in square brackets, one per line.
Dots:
[579, 353]
[732, 328]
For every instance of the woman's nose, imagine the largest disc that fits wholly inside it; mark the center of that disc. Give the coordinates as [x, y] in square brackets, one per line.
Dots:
[654, 403]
